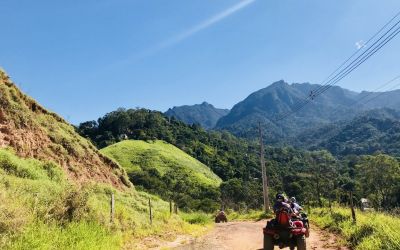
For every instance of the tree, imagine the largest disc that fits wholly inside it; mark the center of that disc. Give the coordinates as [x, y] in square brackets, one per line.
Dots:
[323, 172]
[378, 179]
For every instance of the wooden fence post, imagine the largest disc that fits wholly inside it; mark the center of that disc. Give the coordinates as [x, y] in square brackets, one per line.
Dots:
[112, 211]
[170, 207]
[151, 215]
[176, 208]
[353, 213]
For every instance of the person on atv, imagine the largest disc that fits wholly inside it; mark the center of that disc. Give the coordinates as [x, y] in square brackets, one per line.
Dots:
[294, 205]
[297, 210]
[280, 203]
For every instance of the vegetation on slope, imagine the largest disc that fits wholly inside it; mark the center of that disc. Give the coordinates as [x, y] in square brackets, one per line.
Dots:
[163, 169]
[313, 177]
[42, 209]
[234, 160]
[371, 132]
[373, 230]
[32, 131]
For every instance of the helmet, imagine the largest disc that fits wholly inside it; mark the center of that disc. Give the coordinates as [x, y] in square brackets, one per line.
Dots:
[280, 196]
[293, 199]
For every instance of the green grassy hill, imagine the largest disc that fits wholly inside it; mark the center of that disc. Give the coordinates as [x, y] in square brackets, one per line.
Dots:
[42, 209]
[135, 155]
[55, 186]
[163, 169]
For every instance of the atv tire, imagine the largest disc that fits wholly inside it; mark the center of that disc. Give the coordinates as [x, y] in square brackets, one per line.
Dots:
[301, 243]
[268, 242]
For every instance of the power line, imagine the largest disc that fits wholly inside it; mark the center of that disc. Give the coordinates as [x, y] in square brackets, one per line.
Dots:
[375, 47]
[375, 90]
[363, 59]
[382, 93]
[356, 52]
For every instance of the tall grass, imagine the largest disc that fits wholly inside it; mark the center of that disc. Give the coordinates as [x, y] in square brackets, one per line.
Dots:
[248, 215]
[373, 230]
[41, 209]
[198, 218]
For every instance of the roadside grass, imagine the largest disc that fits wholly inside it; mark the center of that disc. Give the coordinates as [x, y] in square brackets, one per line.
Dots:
[255, 215]
[198, 218]
[373, 230]
[41, 209]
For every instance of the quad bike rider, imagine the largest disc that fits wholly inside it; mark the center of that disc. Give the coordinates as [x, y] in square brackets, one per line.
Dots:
[287, 229]
[221, 217]
[298, 214]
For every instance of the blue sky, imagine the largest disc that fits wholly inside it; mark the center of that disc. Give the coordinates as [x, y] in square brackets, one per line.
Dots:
[83, 59]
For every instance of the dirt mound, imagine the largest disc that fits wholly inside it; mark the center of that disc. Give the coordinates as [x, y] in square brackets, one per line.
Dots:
[32, 131]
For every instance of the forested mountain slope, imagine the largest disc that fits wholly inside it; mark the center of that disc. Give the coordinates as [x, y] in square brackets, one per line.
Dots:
[371, 132]
[280, 99]
[204, 114]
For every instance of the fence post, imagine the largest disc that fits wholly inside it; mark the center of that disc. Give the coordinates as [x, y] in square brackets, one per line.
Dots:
[170, 207]
[112, 211]
[353, 213]
[176, 208]
[151, 215]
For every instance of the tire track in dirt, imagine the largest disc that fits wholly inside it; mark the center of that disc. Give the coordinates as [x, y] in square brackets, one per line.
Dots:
[248, 236]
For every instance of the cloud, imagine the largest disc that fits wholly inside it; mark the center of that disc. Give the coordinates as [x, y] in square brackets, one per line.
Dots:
[360, 44]
[207, 23]
[195, 29]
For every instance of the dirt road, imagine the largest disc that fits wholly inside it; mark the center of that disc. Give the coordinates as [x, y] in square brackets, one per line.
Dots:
[248, 236]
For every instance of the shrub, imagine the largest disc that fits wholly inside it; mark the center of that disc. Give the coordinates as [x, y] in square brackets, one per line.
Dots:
[72, 205]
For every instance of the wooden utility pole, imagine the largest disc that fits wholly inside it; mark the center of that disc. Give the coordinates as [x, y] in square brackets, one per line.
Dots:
[263, 172]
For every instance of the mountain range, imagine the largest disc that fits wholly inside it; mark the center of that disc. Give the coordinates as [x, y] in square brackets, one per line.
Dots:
[275, 108]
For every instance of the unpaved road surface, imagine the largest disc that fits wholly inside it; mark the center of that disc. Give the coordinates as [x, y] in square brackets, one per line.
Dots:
[249, 236]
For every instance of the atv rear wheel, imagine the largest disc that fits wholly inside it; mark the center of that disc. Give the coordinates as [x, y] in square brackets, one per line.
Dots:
[268, 242]
[301, 243]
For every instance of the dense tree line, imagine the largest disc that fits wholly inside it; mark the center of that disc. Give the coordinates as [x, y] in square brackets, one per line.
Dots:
[314, 177]
[174, 186]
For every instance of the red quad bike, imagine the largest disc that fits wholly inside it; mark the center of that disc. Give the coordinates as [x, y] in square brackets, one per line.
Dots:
[221, 217]
[284, 231]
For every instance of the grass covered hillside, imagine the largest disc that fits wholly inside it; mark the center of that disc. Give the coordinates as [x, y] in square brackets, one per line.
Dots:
[32, 131]
[164, 169]
[41, 209]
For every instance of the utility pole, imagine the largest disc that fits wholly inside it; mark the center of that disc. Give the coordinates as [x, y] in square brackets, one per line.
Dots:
[263, 172]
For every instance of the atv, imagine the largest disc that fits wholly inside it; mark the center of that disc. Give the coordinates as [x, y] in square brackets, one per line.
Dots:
[286, 231]
[221, 217]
